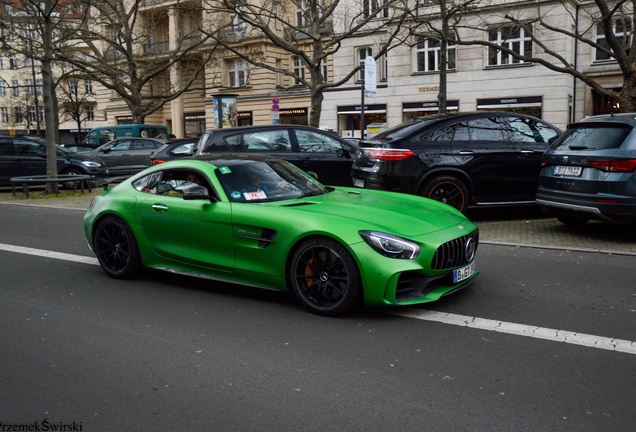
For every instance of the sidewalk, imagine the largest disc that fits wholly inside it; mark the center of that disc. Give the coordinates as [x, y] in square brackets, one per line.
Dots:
[537, 232]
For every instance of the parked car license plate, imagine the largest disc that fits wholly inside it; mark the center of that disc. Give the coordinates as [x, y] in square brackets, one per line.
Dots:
[568, 170]
[464, 272]
[358, 183]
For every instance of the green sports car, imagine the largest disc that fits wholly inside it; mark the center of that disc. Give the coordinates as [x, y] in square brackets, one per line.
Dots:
[260, 221]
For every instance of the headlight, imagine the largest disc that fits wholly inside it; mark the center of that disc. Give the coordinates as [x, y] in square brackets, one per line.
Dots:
[390, 246]
[91, 164]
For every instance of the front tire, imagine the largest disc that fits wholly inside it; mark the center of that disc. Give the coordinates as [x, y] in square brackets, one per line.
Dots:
[116, 248]
[325, 277]
[449, 190]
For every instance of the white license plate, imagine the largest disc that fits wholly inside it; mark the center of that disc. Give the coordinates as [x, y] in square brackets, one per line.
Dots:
[358, 183]
[574, 171]
[464, 272]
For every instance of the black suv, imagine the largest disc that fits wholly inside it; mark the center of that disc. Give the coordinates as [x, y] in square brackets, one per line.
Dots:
[313, 150]
[590, 171]
[462, 159]
[26, 156]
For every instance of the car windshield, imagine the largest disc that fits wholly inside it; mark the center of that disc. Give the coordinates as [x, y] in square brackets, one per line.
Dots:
[61, 149]
[272, 180]
[592, 137]
[402, 130]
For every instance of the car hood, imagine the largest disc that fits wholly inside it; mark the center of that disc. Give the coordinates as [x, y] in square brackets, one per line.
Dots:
[396, 213]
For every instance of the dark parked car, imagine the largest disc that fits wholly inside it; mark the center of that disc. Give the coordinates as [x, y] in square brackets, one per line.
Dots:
[126, 156]
[590, 171]
[26, 156]
[174, 149]
[465, 159]
[313, 150]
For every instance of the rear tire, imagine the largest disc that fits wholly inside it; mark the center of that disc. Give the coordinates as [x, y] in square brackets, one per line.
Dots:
[449, 190]
[572, 220]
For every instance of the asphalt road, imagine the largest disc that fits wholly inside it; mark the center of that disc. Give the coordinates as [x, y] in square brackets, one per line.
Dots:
[530, 346]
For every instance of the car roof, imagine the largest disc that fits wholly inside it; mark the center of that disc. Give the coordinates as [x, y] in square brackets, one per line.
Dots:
[271, 127]
[628, 118]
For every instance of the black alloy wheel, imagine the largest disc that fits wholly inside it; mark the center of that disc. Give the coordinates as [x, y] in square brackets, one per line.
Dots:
[116, 248]
[325, 277]
[449, 190]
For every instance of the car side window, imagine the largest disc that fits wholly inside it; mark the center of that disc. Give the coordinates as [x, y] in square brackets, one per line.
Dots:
[310, 141]
[122, 145]
[530, 130]
[441, 134]
[144, 145]
[26, 148]
[486, 129]
[230, 143]
[171, 183]
[267, 141]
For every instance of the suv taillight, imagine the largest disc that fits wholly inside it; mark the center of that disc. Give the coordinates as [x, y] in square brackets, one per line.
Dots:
[544, 161]
[390, 155]
[620, 165]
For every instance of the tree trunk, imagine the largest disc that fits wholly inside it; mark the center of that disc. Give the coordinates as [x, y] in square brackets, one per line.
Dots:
[47, 96]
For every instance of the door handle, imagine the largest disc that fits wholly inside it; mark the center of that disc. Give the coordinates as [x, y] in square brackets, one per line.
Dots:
[160, 208]
[466, 152]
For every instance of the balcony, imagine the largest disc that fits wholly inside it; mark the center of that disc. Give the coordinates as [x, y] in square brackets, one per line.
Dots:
[157, 47]
[234, 34]
[295, 33]
[190, 41]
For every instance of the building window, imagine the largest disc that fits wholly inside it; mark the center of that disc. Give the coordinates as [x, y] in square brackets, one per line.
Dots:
[428, 54]
[17, 114]
[238, 25]
[299, 70]
[370, 6]
[324, 70]
[15, 88]
[4, 111]
[278, 74]
[42, 114]
[275, 11]
[13, 61]
[88, 86]
[622, 29]
[301, 14]
[29, 87]
[238, 71]
[40, 87]
[72, 87]
[1, 63]
[31, 114]
[362, 54]
[515, 38]
[3, 88]
[90, 113]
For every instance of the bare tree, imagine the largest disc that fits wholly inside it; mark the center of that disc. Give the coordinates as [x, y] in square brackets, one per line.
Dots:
[309, 31]
[603, 27]
[75, 104]
[129, 54]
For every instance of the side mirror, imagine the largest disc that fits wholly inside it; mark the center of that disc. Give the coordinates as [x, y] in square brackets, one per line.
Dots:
[106, 149]
[313, 174]
[196, 193]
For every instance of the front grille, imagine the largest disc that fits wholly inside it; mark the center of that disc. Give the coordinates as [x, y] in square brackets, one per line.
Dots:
[453, 253]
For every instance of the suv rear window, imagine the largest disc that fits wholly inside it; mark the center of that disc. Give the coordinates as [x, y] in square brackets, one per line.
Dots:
[593, 137]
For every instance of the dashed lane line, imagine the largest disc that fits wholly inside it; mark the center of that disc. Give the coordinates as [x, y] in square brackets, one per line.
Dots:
[563, 336]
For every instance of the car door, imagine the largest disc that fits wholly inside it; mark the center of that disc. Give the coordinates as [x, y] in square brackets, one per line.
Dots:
[116, 156]
[29, 157]
[482, 146]
[140, 152]
[325, 155]
[195, 232]
[7, 161]
[531, 139]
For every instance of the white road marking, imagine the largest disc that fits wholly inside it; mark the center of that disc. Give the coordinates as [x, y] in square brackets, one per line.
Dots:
[49, 254]
[564, 336]
[586, 340]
